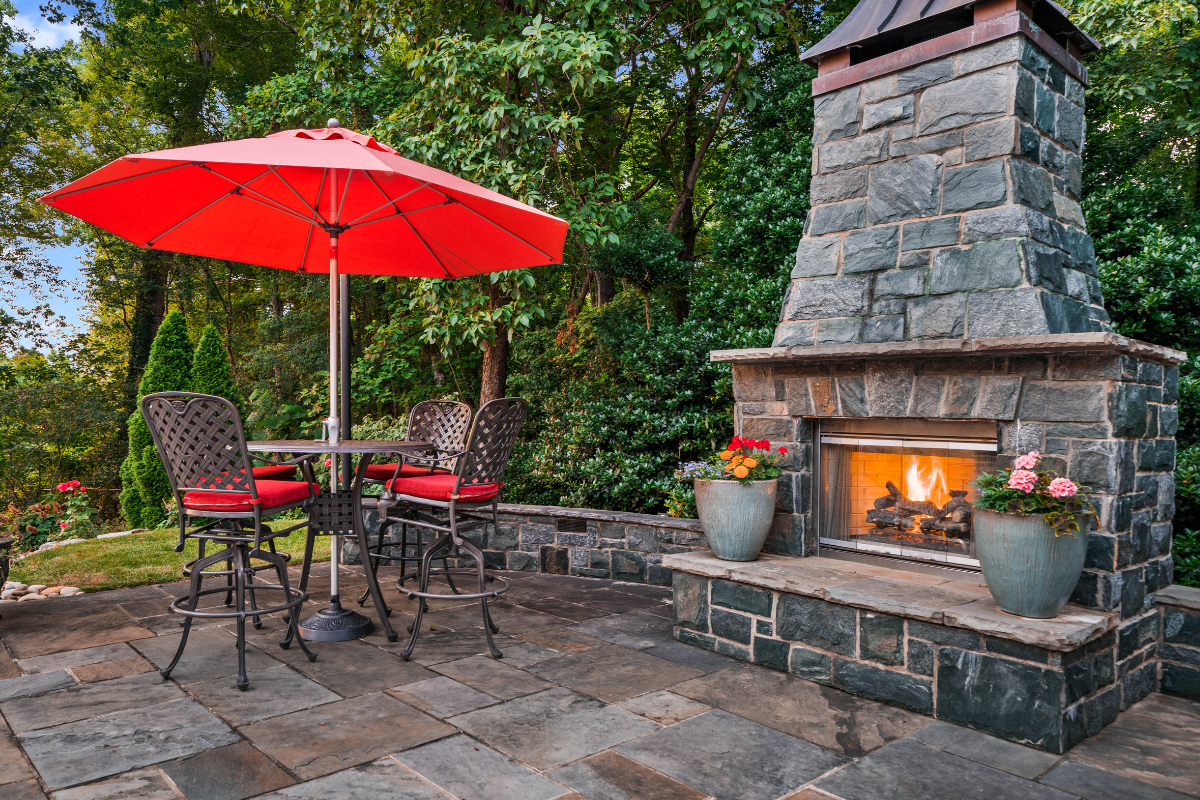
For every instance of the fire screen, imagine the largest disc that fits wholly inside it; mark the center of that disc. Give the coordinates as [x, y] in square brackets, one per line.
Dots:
[902, 496]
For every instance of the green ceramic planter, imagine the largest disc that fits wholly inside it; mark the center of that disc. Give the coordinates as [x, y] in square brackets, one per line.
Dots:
[1029, 571]
[736, 518]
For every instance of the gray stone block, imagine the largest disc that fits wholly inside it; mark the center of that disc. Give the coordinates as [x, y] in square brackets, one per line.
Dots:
[840, 330]
[942, 317]
[836, 115]
[1077, 285]
[880, 89]
[871, 249]
[825, 298]
[1044, 119]
[990, 55]
[900, 283]
[989, 140]
[915, 258]
[1074, 91]
[919, 658]
[1025, 97]
[888, 686]
[984, 265]
[837, 217]
[998, 397]
[1034, 59]
[888, 112]
[690, 596]
[1053, 158]
[888, 386]
[1004, 223]
[974, 98]
[810, 665]
[1064, 402]
[870, 148]
[728, 625]
[974, 186]
[927, 396]
[904, 189]
[817, 256]
[924, 233]
[642, 538]
[961, 394]
[741, 597]
[1069, 126]
[1127, 410]
[795, 334]
[837, 186]
[852, 392]
[519, 561]
[887, 328]
[883, 308]
[1032, 187]
[881, 638]
[1044, 266]
[926, 75]
[1008, 312]
[815, 622]
[938, 143]
[1029, 143]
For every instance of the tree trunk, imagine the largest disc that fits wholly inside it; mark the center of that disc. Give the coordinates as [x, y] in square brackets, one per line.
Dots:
[605, 290]
[149, 308]
[495, 354]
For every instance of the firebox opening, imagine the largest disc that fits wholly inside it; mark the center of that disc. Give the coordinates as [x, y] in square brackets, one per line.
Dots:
[902, 489]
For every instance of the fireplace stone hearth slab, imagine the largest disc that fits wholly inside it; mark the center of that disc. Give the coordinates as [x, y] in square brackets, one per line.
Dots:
[1071, 629]
[900, 597]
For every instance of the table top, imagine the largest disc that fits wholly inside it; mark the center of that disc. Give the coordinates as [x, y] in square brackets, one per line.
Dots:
[345, 446]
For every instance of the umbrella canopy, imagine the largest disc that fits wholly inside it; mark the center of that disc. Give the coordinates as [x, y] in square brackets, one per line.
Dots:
[324, 200]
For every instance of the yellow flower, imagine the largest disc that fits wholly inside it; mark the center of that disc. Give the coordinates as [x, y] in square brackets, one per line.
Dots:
[740, 471]
[726, 455]
[751, 463]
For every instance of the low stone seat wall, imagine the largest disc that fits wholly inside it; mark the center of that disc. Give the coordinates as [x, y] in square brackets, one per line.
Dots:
[1179, 652]
[934, 644]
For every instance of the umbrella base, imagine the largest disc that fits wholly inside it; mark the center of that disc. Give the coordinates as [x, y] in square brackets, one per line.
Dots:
[335, 624]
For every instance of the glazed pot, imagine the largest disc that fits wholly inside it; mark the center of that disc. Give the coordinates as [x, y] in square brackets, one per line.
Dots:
[736, 517]
[1029, 571]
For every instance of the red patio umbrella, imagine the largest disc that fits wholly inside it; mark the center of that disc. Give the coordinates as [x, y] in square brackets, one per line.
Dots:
[324, 200]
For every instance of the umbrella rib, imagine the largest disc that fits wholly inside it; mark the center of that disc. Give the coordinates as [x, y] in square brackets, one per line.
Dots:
[316, 214]
[400, 214]
[390, 202]
[58, 197]
[520, 239]
[266, 201]
[428, 249]
[345, 191]
[150, 242]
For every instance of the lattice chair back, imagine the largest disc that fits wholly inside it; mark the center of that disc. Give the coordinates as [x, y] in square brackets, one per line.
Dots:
[443, 423]
[201, 442]
[493, 436]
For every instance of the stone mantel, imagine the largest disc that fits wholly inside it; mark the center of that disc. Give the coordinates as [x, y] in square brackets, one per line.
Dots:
[1072, 343]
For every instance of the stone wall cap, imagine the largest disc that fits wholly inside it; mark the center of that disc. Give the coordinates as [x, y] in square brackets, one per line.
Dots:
[1183, 596]
[599, 515]
[1073, 343]
[957, 600]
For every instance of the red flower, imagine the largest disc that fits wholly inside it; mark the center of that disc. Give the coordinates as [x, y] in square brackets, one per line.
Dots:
[328, 461]
[69, 486]
[735, 443]
[763, 444]
[783, 451]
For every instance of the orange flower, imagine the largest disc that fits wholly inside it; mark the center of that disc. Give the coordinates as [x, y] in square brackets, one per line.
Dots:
[740, 471]
[738, 460]
[750, 463]
[726, 455]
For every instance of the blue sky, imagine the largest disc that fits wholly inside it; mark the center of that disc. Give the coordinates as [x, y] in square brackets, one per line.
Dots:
[69, 303]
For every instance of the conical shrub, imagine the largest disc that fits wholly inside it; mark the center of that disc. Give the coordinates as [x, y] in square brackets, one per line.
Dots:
[211, 373]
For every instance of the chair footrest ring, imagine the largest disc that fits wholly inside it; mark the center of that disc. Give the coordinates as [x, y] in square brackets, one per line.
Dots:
[295, 598]
[503, 587]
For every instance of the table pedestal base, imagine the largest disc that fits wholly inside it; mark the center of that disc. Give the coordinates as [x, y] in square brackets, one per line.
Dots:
[335, 624]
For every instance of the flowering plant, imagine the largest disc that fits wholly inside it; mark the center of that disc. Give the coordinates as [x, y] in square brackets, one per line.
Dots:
[744, 460]
[1022, 489]
[77, 518]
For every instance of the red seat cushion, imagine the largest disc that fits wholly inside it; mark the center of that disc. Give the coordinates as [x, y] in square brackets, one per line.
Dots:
[440, 487]
[275, 472]
[271, 494]
[384, 472]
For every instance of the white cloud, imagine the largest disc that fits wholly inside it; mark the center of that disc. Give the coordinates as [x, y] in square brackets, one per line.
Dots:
[45, 33]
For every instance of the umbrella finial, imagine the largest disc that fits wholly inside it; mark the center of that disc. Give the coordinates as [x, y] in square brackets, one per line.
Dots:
[333, 123]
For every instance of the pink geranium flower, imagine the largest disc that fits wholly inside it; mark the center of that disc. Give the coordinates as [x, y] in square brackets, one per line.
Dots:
[1028, 461]
[62, 525]
[1061, 487]
[1022, 479]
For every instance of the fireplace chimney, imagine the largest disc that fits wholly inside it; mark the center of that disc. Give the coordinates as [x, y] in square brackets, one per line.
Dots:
[946, 178]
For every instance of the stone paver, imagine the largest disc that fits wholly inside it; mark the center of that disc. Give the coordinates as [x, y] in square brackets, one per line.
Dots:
[96, 748]
[442, 697]
[332, 737]
[275, 691]
[472, 771]
[140, 784]
[698, 752]
[607, 708]
[824, 716]
[906, 769]
[382, 780]
[88, 701]
[227, 773]
[553, 728]
[612, 776]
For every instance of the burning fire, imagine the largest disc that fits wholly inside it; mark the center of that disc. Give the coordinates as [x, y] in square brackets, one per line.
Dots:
[926, 484]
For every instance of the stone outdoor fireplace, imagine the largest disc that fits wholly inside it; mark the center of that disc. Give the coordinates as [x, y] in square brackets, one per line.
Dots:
[945, 315]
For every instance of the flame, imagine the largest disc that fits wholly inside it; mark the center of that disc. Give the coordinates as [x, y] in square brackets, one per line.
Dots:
[926, 484]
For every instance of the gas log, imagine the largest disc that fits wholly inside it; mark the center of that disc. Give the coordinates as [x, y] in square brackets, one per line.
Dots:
[894, 510]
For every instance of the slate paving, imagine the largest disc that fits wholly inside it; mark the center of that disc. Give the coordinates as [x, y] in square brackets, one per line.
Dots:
[593, 700]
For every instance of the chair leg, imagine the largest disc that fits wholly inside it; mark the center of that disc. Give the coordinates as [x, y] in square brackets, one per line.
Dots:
[488, 625]
[250, 593]
[229, 582]
[243, 681]
[198, 568]
[423, 582]
[294, 612]
[373, 588]
[375, 561]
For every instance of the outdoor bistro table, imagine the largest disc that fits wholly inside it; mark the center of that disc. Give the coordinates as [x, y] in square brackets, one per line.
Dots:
[338, 513]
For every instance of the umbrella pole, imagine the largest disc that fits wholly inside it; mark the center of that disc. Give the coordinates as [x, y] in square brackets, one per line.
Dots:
[344, 342]
[333, 430]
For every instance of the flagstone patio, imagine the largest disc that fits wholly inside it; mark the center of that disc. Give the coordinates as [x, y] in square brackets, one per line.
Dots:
[593, 699]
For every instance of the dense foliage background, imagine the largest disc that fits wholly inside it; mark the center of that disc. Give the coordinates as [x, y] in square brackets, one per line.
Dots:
[673, 134]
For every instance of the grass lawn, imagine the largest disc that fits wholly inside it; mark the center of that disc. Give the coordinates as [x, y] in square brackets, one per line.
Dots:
[133, 560]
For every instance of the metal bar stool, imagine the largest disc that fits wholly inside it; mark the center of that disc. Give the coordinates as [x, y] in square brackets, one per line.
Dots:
[452, 503]
[202, 445]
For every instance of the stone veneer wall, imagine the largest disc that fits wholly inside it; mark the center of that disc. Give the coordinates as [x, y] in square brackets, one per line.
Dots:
[945, 205]
[1107, 421]
[1179, 651]
[1044, 698]
[615, 544]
